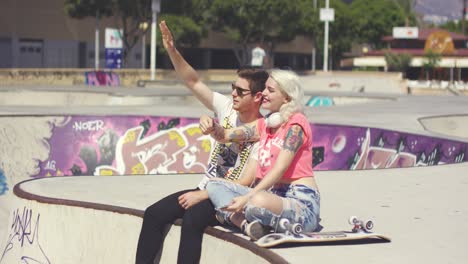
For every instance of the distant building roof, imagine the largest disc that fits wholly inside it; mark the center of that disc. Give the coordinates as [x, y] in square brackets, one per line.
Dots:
[414, 52]
[425, 32]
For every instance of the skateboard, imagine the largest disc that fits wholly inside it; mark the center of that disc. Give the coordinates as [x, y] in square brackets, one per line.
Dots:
[360, 231]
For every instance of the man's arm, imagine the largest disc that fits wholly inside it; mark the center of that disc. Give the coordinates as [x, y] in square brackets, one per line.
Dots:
[244, 133]
[185, 71]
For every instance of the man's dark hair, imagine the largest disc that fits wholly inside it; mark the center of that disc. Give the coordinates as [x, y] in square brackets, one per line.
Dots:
[256, 78]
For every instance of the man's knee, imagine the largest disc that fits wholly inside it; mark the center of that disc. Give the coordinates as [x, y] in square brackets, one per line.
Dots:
[197, 219]
[150, 212]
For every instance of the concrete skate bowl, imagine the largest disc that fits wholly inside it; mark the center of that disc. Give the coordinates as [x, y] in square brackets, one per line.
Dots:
[449, 125]
[81, 210]
[166, 94]
[101, 216]
[94, 96]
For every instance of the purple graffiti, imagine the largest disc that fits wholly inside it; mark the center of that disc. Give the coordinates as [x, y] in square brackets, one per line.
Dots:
[101, 145]
[121, 145]
[356, 148]
[100, 78]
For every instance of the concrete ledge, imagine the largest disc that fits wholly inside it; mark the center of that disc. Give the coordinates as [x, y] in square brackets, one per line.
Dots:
[104, 233]
[128, 77]
[102, 215]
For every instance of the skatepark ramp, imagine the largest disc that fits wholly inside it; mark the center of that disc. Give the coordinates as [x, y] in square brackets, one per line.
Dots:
[55, 221]
[379, 159]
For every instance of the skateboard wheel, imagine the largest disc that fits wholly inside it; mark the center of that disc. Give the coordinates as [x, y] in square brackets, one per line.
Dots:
[297, 229]
[352, 220]
[369, 225]
[283, 224]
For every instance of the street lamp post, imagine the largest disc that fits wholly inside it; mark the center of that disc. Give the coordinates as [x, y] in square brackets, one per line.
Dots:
[143, 27]
[463, 17]
[96, 42]
[155, 8]
[325, 42]
[313, 43]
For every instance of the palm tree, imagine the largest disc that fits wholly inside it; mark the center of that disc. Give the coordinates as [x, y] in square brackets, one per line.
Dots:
[407, 7]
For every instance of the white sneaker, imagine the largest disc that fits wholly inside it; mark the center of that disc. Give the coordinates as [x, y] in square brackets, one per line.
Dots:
[255, 230]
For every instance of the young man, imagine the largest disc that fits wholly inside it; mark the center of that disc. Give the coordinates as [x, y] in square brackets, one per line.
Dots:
[226, 161]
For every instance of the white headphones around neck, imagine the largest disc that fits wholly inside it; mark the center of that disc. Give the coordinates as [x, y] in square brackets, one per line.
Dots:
[274, 120]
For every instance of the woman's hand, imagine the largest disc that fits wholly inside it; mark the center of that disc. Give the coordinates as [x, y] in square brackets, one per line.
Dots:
[237, 204]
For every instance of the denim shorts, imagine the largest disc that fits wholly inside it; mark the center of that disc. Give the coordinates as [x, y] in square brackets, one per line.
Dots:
[301, 204]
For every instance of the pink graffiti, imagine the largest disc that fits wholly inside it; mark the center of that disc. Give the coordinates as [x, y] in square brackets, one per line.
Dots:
[177, 150]
[381, 158]
[100, 78]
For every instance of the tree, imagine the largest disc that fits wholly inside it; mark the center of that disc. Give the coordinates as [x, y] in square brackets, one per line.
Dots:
[398, 62]
[341, 31]
[375, 19]
[130, 14]
[185, 18]
[431, 62]
[268, 22]
[452, 26]
[407, 7]
[84, 8]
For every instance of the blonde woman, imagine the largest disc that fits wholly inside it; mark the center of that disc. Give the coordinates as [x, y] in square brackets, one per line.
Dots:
[285, 185]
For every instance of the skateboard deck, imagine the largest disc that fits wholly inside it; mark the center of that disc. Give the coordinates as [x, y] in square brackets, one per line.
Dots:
[275, 239]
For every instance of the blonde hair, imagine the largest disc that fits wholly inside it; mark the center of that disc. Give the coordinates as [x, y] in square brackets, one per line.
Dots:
[289, 84]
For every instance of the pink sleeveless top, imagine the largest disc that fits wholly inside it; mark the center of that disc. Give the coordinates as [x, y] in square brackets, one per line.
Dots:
[271, 145]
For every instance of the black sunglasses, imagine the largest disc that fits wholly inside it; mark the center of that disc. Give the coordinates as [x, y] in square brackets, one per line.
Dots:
[240, 91]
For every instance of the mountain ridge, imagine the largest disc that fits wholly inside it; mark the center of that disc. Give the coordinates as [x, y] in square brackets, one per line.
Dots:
[439, 11]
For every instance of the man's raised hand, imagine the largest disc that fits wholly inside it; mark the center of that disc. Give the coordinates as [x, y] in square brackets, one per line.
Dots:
[166, 34]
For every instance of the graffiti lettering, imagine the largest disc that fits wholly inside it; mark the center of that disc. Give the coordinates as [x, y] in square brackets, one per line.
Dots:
[24, 233]
[100, 78]
[95, 125]
[175, 150]
[370, 157]
[50, 165]
[157, 145]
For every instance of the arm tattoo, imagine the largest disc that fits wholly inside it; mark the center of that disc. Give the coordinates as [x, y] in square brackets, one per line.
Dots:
[218, 133]
[243, 133]
[294, 139]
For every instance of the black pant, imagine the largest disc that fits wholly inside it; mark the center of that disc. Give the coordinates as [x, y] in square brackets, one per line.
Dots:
[164, 212]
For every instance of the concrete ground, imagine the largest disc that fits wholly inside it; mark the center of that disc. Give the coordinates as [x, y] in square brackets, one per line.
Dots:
[424, 209]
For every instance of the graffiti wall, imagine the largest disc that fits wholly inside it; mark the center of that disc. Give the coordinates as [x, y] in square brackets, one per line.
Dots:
[123, 145]
[100, 78]
[129, 145]
[357, 148]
